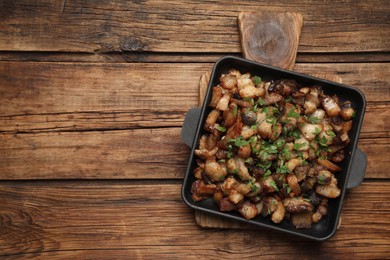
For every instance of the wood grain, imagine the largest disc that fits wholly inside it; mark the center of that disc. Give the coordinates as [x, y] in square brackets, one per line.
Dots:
[99, 90]
[90, 96]
[269, 37]
[122, 154]
[136, 154]
[183, 26]
[35, 88]
[93, 97]
[108, 219]
[194, 57]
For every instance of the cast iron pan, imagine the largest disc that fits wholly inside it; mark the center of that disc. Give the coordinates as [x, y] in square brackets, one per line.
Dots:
[354, 164]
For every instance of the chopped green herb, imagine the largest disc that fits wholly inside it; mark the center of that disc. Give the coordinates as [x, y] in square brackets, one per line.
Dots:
[323, 141]
[257, 80]
[280, 143]
[239, 141]
[261, 102]
[273, 185]
[321, 179]
[255, 149]
[282, 169]
[265, 110]
[353, 114]
[252, 139]
[295, 133]
[288, 189]
[229, 154]
[221, 161]
[247, 160]
[286, 121]
[320, 152]
[254, 127]
[269, 147]
[331, 133]
[272, 120]
[221, 178]
[285, 130]
[314, 119]
[298, 146]
[288, 99]
[276, 112]
[267, 173]
[272, 149]
[221, 128]
[292, 114]
[235, 171]
[263, 155]
[317, 130]
[254, 187]
[235, 111]
[286, 152]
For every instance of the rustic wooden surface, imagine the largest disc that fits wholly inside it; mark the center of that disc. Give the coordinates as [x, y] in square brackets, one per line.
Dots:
[92, 98]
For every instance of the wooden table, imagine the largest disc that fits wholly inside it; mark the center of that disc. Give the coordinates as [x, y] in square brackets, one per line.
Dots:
[92, 98]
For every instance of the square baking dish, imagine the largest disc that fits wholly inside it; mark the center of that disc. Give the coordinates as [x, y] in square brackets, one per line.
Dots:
[353, 166]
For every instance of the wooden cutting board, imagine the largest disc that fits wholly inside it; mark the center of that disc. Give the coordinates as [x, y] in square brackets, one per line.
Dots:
[270, 38]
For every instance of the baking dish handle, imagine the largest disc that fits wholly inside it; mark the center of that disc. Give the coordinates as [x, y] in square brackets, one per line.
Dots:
[190, 123]
[358, 169]
[359, 161]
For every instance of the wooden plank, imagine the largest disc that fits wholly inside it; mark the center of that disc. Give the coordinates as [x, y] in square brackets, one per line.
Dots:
[375, 125]
[364, 57]
[84, 96]
[146, 57]
[132, 154]
[376, 121]
[177, 26]
[136, 154]
[46, 88]
[61, 220]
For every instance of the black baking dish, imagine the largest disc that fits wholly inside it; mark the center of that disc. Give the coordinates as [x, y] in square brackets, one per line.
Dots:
[353, 166]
